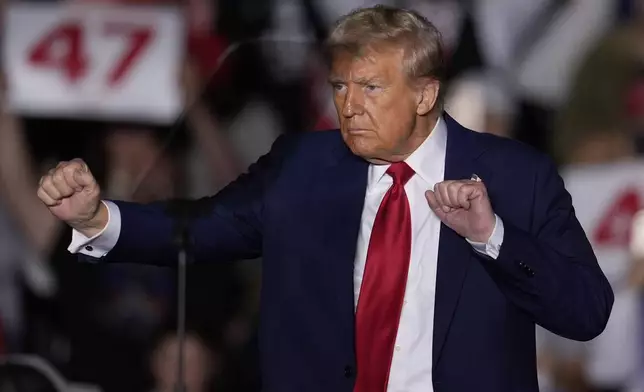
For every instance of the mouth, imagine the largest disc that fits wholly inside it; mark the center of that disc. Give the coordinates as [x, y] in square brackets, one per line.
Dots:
[357, 131]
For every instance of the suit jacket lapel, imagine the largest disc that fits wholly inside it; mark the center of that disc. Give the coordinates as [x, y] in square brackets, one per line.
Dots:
[454, 252]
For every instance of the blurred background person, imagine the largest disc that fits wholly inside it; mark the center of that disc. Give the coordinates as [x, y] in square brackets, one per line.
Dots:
[202, 364]
[596, 137]
[602, 118]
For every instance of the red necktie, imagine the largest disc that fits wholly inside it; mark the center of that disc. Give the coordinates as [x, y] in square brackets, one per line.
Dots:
[383, 285]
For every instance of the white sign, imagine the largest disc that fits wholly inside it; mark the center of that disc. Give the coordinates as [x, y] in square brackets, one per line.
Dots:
[107, 62]
[637, 236]
[606, 198]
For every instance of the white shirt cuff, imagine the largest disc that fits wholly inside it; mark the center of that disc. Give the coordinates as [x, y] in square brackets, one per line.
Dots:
[103, 242]
[492, 247]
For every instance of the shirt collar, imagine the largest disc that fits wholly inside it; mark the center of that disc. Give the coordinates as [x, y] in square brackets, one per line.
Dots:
[427, 161]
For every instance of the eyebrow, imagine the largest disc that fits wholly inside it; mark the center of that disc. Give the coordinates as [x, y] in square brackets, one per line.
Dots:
[361, 81]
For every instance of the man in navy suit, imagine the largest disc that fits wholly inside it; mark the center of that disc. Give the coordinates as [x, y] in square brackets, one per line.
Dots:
[402, 252]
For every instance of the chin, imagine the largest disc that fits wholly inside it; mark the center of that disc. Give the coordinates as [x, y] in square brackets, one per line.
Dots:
[362, 146]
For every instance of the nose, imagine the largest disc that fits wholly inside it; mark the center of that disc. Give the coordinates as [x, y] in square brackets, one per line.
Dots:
[353, 102]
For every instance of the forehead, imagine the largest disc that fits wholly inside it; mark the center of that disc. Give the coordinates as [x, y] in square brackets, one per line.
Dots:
[382, 62]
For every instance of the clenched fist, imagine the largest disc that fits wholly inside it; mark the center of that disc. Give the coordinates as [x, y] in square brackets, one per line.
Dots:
[464, 207]
[72, 195]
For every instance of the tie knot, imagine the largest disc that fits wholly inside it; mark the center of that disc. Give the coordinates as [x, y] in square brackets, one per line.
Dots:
[400, 172]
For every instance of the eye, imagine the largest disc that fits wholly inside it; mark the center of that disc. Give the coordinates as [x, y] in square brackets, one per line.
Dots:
[372, 87]
[338, 86]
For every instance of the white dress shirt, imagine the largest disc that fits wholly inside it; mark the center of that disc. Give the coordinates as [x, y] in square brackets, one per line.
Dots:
[411, 369]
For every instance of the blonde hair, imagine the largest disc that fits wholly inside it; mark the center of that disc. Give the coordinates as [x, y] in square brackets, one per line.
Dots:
[366, 28]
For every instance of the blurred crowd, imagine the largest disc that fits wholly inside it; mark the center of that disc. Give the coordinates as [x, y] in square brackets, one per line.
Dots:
[565, 76]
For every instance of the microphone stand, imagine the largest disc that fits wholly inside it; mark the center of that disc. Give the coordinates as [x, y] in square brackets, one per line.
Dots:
[181, 307]
[183, 213]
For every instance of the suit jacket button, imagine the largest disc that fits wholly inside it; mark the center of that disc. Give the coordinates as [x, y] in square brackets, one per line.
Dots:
[348, 372]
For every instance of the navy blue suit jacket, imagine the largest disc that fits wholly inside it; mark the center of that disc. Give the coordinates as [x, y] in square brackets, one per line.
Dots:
[299, 207]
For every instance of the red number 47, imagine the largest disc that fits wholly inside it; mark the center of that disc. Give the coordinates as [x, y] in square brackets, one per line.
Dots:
[62, 49]
[614, 229]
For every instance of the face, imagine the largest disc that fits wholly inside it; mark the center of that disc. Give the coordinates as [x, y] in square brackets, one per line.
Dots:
[198, 365]
[383, 116]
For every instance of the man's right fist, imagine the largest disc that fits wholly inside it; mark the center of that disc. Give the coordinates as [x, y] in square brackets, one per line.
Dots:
[72, 195]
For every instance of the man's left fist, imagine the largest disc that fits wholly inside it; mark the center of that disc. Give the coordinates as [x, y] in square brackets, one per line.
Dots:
[464, 207]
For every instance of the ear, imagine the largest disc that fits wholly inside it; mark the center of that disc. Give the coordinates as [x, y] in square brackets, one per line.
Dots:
[427, 97]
